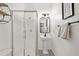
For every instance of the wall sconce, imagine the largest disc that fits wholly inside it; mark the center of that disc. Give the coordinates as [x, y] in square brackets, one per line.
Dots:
[5, 13]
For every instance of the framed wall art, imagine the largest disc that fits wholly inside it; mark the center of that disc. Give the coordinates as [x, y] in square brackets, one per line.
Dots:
[67, 10]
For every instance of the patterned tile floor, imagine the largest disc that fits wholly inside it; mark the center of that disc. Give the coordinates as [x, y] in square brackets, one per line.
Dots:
[50, 53]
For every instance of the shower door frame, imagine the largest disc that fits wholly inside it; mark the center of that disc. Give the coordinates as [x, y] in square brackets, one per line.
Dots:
[36, 49]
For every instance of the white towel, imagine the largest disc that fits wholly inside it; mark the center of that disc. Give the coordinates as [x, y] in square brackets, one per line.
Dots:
[65, 31]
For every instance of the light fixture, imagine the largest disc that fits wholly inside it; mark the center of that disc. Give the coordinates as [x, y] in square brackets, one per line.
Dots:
[5, 13]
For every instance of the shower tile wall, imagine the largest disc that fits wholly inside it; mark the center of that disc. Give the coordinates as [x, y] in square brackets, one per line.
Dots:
[24, 45]
[31, 33]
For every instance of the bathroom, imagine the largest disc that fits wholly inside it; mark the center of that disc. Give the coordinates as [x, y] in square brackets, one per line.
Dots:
[22, 36]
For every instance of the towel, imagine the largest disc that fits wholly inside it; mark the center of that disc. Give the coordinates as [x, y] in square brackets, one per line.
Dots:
[64, 31]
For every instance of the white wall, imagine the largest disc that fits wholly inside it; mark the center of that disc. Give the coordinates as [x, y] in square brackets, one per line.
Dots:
[61, 46]
[38, 6]
[5, 38]
[16, 6]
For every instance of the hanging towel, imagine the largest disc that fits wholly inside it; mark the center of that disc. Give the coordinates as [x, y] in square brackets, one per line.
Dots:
[64, 31]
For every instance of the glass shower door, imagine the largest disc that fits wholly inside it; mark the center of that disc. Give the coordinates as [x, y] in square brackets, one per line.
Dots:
[18, 40]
